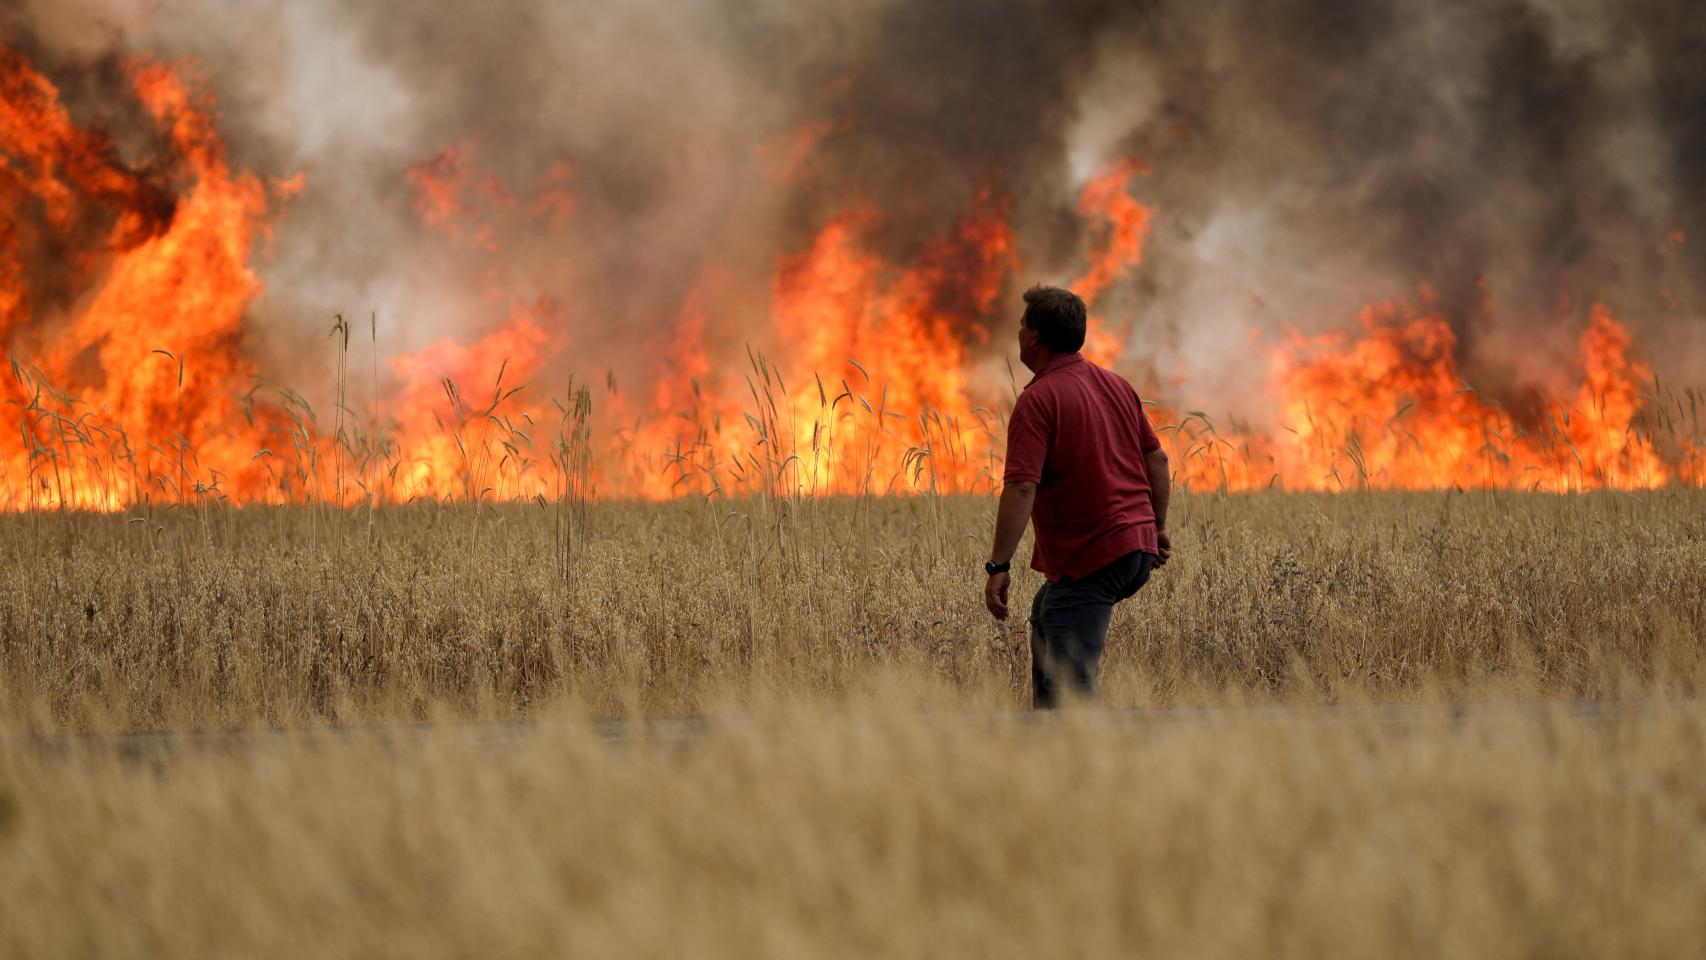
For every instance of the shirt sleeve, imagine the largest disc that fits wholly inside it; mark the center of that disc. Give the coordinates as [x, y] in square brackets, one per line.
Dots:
[1028, 434]
[1148, 440]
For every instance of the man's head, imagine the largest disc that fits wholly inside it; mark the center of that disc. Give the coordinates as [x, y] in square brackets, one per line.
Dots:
[1053, 324]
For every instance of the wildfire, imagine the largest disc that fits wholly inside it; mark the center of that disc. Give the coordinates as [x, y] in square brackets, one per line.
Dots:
[1388, 409]
[888, 344]
[138, 390]
[124, 291]
[1123, 223]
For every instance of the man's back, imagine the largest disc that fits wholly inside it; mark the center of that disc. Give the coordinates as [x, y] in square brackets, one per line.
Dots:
[1080, 433]
[1083, 463]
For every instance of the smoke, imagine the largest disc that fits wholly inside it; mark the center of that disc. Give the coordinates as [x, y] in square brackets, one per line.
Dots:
[1519, 158]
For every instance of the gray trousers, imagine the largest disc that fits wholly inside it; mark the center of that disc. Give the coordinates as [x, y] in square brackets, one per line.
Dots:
[1069, 626]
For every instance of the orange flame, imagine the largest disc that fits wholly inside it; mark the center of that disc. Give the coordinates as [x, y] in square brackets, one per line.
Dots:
[1123, 223]
[135, 386]
[451, 444]
[153, 354]
[1389, 410]
[887, 350]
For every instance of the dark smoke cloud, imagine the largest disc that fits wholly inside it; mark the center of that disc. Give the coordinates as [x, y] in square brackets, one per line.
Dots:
[1531, 155]
[1522, 158]
[943, 98]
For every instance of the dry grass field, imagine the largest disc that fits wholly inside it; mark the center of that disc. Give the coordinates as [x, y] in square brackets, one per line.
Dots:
[1497, 835]
[867, 786]
[299, 616]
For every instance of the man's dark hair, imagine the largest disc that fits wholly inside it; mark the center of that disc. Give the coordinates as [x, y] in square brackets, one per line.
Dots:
[1058, 317]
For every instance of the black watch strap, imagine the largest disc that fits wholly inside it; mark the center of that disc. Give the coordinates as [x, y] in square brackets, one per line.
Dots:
[992, 568]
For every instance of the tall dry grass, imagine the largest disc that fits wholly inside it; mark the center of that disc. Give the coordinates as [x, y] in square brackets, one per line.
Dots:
[862, 790]
[221, 617]
[1250, 833]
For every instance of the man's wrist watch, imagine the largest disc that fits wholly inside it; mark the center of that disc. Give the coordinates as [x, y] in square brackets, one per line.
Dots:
[992, 568]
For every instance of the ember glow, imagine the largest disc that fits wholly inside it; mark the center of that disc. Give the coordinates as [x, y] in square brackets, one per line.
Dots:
[125, 291]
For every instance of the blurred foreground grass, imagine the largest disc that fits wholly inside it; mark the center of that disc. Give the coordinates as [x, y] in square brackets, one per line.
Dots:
[1505, 832]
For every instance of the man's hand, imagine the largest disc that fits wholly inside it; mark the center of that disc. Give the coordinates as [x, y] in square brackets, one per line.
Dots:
[1011, 516]
[995, 594]
[1164, 548]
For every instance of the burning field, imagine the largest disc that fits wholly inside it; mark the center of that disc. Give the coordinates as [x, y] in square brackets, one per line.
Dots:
[167, 290]
[512, 479]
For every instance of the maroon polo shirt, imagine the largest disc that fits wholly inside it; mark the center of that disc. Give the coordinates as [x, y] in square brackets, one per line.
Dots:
[1080, 434]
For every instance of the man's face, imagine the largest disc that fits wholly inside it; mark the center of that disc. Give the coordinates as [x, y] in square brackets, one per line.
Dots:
[1029, 346]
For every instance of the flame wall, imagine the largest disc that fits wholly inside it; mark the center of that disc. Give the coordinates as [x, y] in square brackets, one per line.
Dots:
[740, 246]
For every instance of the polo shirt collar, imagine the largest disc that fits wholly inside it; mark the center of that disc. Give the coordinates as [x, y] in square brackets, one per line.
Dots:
[1064, 360]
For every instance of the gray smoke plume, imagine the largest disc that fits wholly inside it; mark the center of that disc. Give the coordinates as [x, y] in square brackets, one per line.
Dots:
[1533, 155]
[1520, 158]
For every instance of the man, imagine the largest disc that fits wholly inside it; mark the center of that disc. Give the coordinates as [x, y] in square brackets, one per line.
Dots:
[1083, 460]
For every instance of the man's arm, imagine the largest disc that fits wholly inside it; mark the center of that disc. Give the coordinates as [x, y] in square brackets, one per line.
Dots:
[1160, 490]
[1010, 519]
